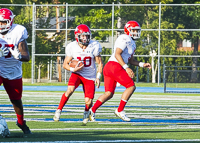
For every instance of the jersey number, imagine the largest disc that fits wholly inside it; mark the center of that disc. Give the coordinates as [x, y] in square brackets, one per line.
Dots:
[87, 61]
[8, 46]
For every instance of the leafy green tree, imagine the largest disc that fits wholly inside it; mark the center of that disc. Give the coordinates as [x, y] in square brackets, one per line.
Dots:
[188, 17]
[101, 17]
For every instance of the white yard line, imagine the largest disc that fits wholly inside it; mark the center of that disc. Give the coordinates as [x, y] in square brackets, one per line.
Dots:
[174, 127]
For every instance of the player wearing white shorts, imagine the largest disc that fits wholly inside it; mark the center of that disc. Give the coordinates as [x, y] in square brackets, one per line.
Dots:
[88, 52]
[13, 51]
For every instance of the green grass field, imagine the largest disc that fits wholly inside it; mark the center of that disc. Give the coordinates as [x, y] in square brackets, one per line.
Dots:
[154, 118]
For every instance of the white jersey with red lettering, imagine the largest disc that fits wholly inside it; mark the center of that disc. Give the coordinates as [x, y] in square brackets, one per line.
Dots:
[128, 46]
[11, 68]
[87, 56]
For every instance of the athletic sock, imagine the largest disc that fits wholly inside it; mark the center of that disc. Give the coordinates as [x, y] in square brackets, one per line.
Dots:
[20, 119]
[87, 107]
[96, 106]
[122, 105]
[63, 101]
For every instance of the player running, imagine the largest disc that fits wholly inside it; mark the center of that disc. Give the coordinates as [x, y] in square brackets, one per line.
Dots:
[117, 70]
[13, 51]
[87, 51]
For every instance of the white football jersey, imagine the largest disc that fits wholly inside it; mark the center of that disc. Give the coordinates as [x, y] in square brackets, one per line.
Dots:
[11, 68]
[87, 56]
[127, 44]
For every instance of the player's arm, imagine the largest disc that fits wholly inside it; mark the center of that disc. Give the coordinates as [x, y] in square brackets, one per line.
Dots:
[66, 63]
[23, 49]
[67, 66]
[21, 52]
[99, 61]
[134, 62]
[119, 58]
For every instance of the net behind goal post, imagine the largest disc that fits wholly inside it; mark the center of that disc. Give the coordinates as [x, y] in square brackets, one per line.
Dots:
[181, 79]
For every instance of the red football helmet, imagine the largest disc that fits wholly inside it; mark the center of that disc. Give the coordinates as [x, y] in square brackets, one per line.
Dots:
[132, 28]
[83, 29]
[6, 15]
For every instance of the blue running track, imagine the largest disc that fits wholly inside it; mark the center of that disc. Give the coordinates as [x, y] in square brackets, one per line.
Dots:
[101, 89]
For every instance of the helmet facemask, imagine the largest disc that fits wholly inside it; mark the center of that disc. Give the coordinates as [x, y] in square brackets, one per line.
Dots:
[8, 25]
[84, 41]
[134, 32]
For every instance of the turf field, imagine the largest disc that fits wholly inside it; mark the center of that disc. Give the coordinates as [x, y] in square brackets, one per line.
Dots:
[155, 117]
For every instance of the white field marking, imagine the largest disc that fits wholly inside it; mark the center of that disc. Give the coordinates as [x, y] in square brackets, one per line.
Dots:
[4, 99]
[164, 117]
[168, 99]
[104, 112]
[111, 109]
[161, 110]
[136, 128]
[164, 98]
[74, 112]
[130, 116]
[117, 141]
[58, 95]
[163, 104]
[172, 102]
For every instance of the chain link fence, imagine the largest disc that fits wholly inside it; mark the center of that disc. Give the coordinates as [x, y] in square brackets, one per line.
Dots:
[171, 30]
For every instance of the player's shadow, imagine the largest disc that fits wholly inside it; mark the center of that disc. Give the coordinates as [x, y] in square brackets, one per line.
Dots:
[91, 135]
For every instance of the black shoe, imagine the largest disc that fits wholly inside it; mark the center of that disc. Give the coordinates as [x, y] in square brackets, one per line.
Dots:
[24, 128]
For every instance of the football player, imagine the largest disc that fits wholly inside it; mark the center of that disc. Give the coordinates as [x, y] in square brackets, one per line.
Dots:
[117, 70]
[87, 51]
[13, 51]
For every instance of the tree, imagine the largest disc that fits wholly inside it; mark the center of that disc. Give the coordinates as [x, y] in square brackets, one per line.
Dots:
[101, 17]
[188, 16]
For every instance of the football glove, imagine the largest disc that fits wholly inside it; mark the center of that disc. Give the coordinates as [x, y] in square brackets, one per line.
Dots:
[4, 51]
[16, 54]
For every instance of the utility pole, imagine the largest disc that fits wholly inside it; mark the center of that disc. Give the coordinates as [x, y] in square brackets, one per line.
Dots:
[58, 31]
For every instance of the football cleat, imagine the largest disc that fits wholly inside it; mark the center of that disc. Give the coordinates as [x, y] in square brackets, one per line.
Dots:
[122, 115]
[91, 115]
[4, 131]
[24, 128]
[86, 117]
[56, 117]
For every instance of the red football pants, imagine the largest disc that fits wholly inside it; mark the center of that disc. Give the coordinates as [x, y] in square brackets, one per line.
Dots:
[88, 85]
[113, 72]
[12, 87]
